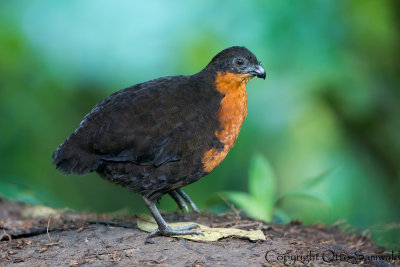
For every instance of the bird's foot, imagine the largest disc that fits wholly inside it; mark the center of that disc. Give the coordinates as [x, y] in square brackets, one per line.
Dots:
[187, 230]
[181, 203]
[183, 207]
[194, 207]
[188, 200]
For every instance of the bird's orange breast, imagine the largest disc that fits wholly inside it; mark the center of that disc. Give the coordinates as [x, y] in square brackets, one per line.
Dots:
[231, 114]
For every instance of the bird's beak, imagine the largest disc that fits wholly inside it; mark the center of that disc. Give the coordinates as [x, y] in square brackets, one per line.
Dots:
[258, 71]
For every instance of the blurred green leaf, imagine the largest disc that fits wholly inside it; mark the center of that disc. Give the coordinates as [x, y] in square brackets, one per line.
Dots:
[281, 217]
[304, 189]
[249, 205]
[308, 195]
[262, 182]
[15, 192]
[17, 189]
[262, 188]
[315, 181]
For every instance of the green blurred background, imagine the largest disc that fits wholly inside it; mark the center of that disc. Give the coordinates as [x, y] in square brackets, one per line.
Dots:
[331, 100]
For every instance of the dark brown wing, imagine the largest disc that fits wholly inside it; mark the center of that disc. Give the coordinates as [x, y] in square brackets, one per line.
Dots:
[152, 123]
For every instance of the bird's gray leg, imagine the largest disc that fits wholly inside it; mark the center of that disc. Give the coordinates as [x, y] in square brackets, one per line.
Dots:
[188, 200]
[181, 203]
[163, 227]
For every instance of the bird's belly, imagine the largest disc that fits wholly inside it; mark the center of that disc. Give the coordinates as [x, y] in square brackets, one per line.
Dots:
[231, 114]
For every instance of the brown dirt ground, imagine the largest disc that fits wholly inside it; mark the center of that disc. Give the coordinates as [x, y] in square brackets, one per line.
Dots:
[75, 239]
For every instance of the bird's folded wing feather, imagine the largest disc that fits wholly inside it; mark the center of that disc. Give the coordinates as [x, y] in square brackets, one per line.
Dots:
[145, 124]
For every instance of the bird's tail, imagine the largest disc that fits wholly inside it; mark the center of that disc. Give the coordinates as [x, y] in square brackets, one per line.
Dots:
[70, 157]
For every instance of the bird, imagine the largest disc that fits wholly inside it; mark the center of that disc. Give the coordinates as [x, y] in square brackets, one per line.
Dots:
[155, 137]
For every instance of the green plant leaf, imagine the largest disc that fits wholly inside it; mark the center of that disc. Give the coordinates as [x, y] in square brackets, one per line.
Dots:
[308, 195]
[304, 189]
[262, 182]
[313, 182]
[250, 205]
[16, 192]
[281, 217]
[16, 189]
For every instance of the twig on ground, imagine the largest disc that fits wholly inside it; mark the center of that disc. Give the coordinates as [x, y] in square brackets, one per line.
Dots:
[6, 234]
[231, 206]
[47, 229]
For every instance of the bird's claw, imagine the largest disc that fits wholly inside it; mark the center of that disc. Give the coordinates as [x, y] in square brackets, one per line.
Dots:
[183, 207]
[185, 197]
[195, 208]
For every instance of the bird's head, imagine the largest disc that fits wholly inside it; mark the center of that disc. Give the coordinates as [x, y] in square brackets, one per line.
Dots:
[237, 60]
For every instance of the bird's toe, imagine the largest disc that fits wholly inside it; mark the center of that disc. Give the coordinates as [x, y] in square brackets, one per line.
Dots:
[186, 230]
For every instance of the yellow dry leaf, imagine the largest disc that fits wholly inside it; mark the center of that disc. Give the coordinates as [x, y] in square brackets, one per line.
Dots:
[40, 212]
[147, 223]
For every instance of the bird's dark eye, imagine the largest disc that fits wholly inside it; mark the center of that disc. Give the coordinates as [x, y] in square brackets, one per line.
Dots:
[239, 62]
